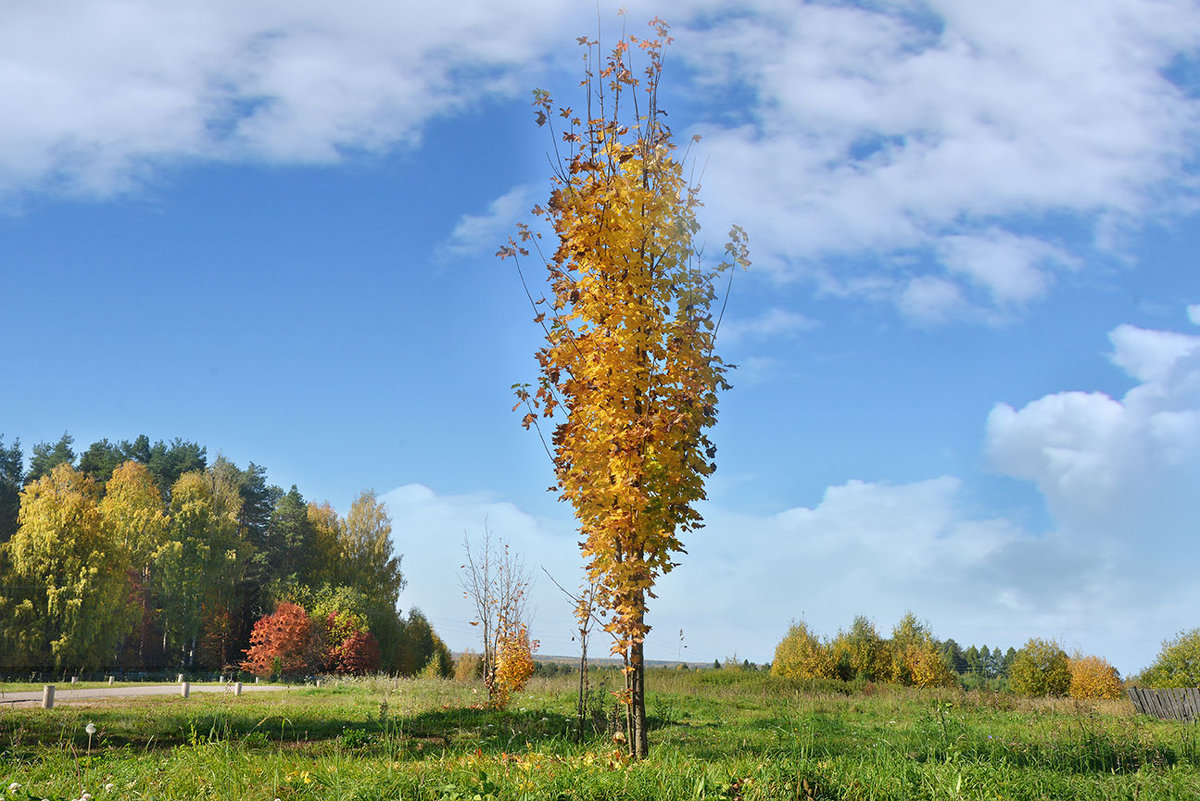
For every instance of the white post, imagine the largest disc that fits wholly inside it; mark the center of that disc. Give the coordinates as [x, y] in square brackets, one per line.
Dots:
[256, 679]
[48, 696]
[184, 689]
[110, 680]
[318, 682]
[237, 688]
[179, 679]
[74, 679]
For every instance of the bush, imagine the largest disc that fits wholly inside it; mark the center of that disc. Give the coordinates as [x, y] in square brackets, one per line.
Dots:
[1178, 664]
[916, 658]
[514, 665]
[281, 643]
[861, 653]
[1094, 677]
[468, 666]
[800, 655]
[1040, 668]
[358, 654]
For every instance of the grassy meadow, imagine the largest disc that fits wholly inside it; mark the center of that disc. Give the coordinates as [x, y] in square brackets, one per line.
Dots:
[716, 734]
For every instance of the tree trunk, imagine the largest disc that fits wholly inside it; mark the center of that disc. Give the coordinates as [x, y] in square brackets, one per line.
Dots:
[583, 676]
[639, 743]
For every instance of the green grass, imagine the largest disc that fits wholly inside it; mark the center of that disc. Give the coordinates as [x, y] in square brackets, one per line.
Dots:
[715, 735]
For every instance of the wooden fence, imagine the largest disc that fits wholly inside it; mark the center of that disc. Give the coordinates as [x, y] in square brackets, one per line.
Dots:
[1174, 704]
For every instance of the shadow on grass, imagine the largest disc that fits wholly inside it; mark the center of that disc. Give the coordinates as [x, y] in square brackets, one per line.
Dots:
[312, 729]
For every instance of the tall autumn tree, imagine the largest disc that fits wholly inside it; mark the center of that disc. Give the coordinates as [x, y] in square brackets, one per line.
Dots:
[75, 570]
[368, 560]
[197, 569]
[133, 516]
[132, 509]
[628, 371]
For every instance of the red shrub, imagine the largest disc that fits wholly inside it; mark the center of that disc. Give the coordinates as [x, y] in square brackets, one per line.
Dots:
[358, 653]
[281, 643]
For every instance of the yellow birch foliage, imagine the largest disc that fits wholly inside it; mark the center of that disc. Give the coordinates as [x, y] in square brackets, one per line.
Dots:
[629, 358]
[1094, 677]
[801, 655]
[916, 659]
[327, 531]
[133, 510]
[1040, 668]
[77, 569]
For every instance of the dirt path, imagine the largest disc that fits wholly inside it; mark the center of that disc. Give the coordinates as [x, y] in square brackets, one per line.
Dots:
[63, 695]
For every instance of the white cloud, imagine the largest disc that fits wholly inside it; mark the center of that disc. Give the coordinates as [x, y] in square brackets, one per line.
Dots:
[1113, 574]
[772, 323]
[1103, 462]
[1009, 267]
[476, 234]
[99, 93]
[928, 300]
[945, 130]
[1119, 474]
[894, 153]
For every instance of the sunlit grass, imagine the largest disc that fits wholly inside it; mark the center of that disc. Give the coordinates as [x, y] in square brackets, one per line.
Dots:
[715, 734]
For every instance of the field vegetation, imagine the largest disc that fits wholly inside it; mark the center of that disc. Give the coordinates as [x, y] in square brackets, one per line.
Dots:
[719, 734]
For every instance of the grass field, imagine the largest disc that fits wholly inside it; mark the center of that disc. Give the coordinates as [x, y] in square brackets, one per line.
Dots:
[715, 734]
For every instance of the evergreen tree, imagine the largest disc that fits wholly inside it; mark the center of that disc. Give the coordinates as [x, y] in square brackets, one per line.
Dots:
[290, 539]
[11, 480]
[100, 459]
[954, 657]
[47, 456]
[168, 462]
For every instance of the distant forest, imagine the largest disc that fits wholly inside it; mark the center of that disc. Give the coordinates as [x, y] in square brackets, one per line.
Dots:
[136, 556]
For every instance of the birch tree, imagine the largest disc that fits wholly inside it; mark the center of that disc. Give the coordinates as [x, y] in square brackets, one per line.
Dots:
[75, 570]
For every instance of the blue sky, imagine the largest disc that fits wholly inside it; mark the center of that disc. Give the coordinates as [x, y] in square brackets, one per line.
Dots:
[969, 359]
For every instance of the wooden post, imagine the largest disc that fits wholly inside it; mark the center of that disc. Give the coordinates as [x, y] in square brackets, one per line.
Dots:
[48, 696]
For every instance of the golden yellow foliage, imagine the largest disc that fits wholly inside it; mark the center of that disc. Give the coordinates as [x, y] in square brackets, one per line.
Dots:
[1094, 677]
[75, 571]
[468, 666]
[514, 665]
[924, 666]
[1040, 668]
[916, 659]
[801, 655]
[629, 357]
[132, 509]
[861, 653]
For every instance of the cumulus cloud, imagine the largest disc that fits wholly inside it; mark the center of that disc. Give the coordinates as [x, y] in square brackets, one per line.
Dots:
[908, 152]
[941, 131]
[98, 95]
[1100, 461]
[1112, 574]
[1119, 474]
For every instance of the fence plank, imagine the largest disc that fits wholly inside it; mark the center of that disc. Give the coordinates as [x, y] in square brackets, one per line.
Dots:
[1177, 703]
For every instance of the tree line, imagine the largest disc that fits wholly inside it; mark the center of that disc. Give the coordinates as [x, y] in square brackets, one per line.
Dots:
[914, 656]
[147, 556]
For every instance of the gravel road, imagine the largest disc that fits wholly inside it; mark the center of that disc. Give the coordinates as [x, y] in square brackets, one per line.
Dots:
[63, 695]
